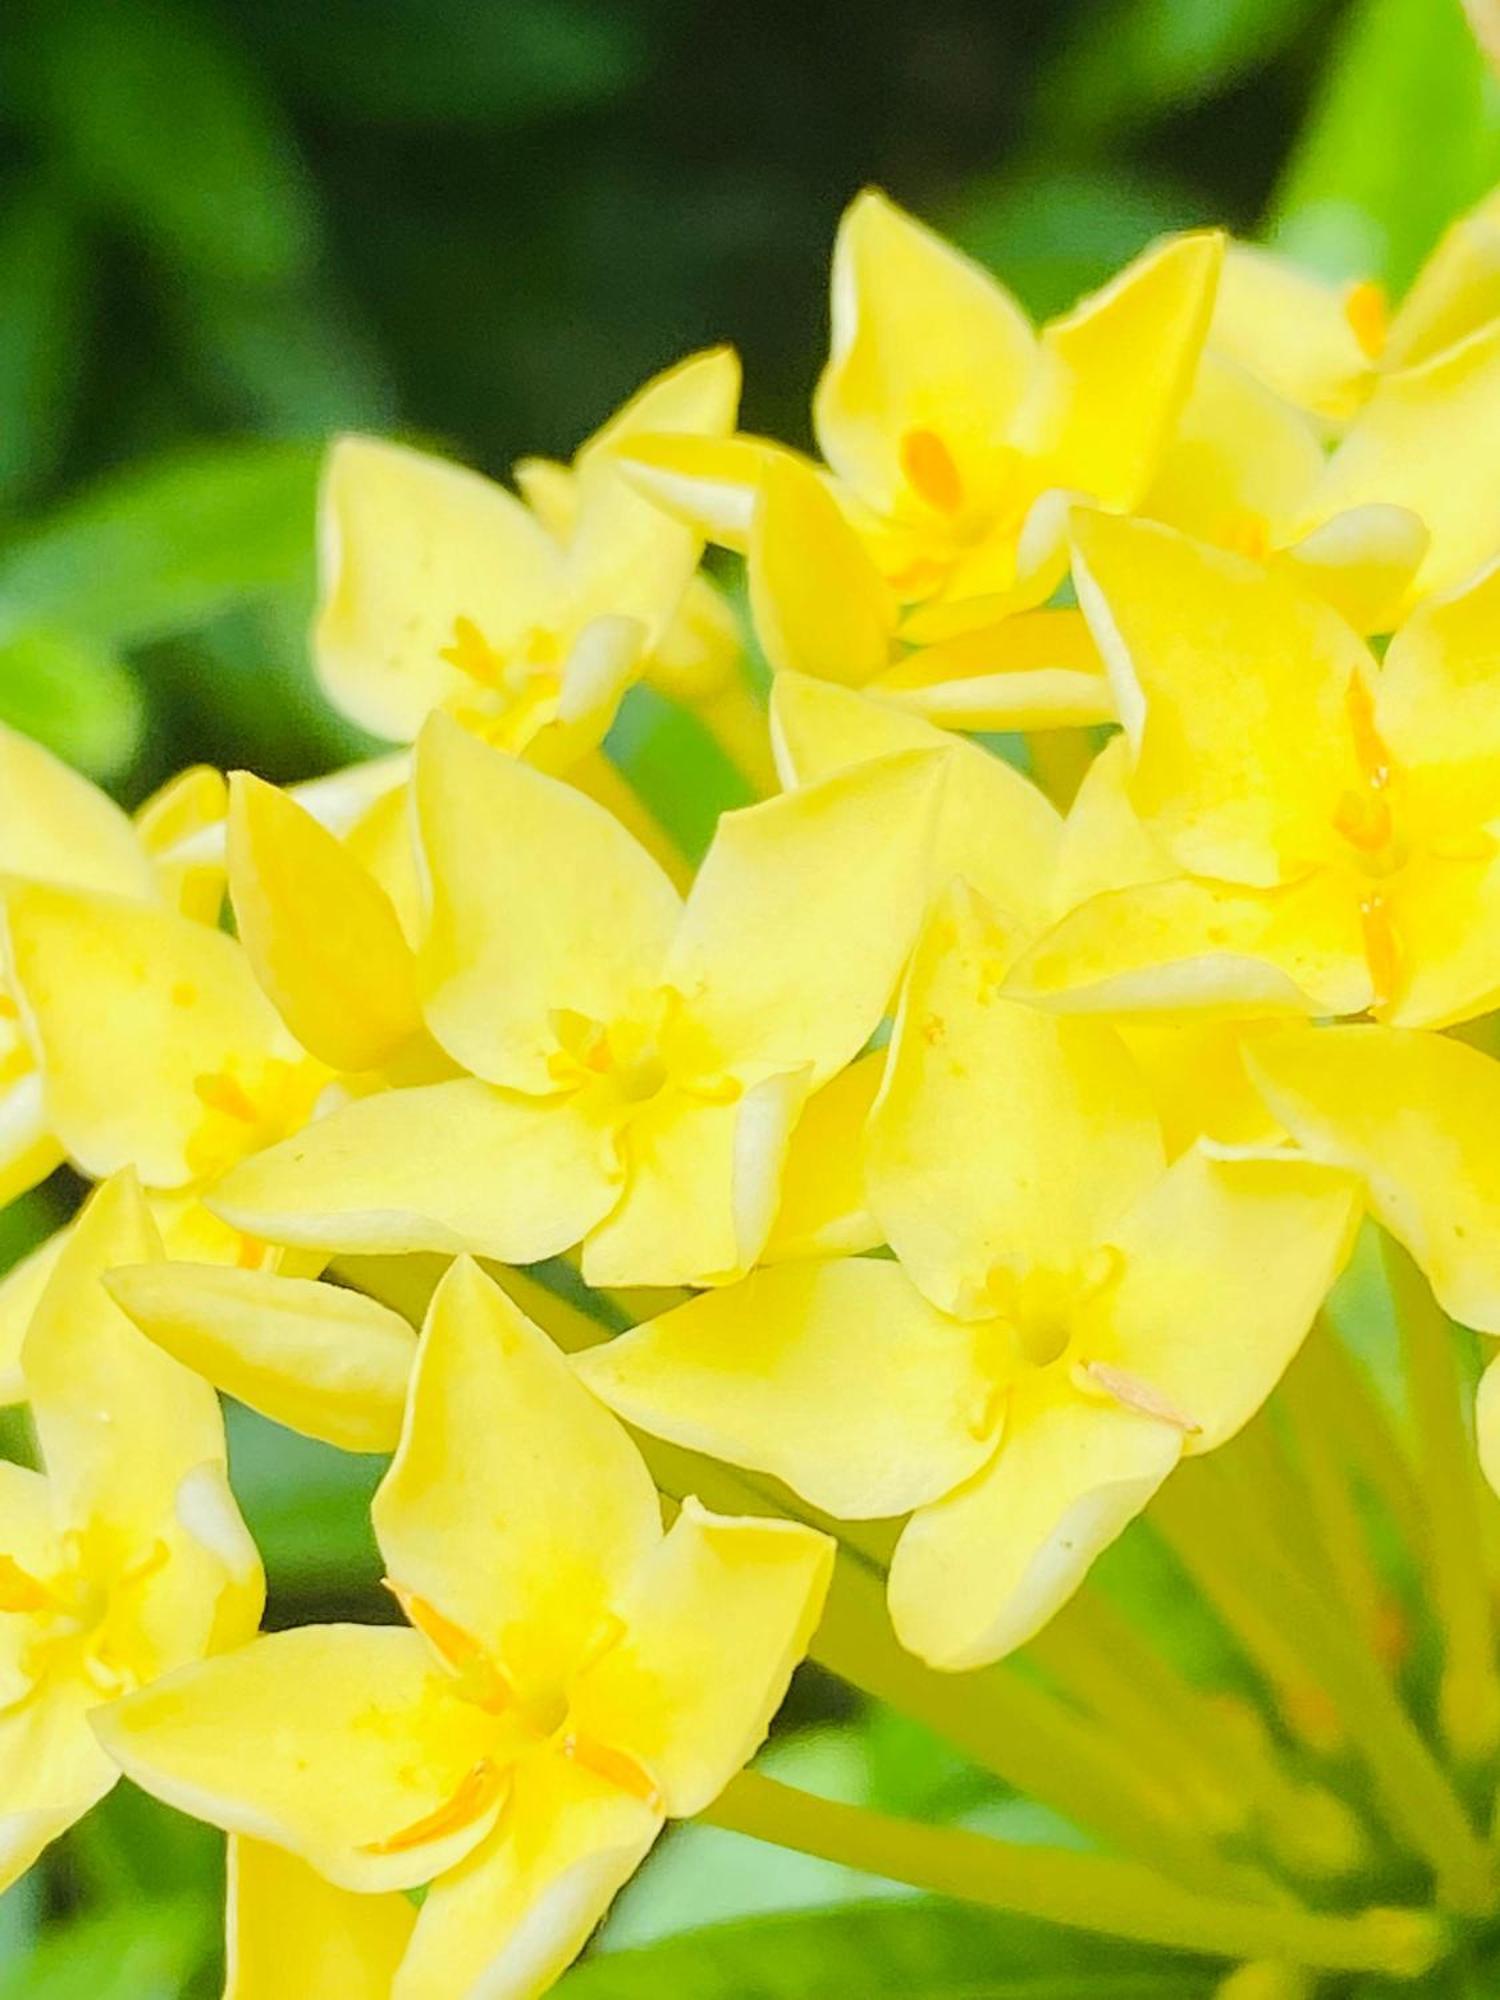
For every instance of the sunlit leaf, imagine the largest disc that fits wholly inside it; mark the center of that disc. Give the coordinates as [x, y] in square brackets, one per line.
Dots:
[140, 1951]
[75, 695]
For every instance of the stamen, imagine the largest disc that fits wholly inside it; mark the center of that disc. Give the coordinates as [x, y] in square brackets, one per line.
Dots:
[1138, 1395]
[615, 1767]
[1382, 948]
[473, 654]
[1368, 314]
[473, 1796]
[20, 1590]
[928, 465]
[1370, 752]
[219, 1091]
[480, 1680]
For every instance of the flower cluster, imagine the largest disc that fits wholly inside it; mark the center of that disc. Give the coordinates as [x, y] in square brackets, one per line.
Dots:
[968, 1141]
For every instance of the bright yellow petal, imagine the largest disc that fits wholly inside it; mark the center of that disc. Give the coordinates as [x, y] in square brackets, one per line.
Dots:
[1232, 687]
[158, 1049]
[996, 829]
[1456, 290]
[327, 1741]
[1004, 1135]
[28, 1151]
[1223, 1266]
[512, 1919]
[1429, 440]
[443, 1166]
[836, 1376]
[319, 930]
[1361, 562]
[293, 1936]
[1292, 330]
[978, 1574]
[1444, 917]
[409, 544]
[180, 826]
[1437, 707]
[57, 827]
[1240, 461]
[1033, 670]
[823, 1210]
[120, 1423]
[716, 1620]
[1113, 374]
[1415, 1116]
[819, 603]
[710, 483]
[1104, 845]
[51, 1772]
[702, 1185]
[318, 1358]
[776, 959]
[1196, 1074]
[20, 1288]
[516, 1505]
[1202, 948]
[925, 345]
[541, 903]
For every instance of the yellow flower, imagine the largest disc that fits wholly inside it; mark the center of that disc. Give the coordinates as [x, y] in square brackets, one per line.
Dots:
[126, 1558]
[570, 1677]
[292, 1936]
[442, 590]
[1069, 1317]
[636, 1064]
[1321, 822]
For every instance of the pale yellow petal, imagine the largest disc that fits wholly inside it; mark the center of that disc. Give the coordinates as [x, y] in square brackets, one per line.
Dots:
[444, 1166]
[777, 960]
[541, 903]
[978, 1574]
[1195, 1071]
[1437, 707]
[1361, 561]
[819, 603]
[511, 1920]
[716, 1620]
[516, 1505]
[28, 1151]
[1031, 670]
[410, 543]
[1104, 845]
[710, 483]
[1444, 916]
[293, 1936]
[1293, 330]
[318, 1358]
[1232, 686]
[823, 1210]
[1004, 1135]
[20, 1288]
[51, 1772]
[1456, 290]
[181, 827]
[1240, 462]
[57, 827]
[330, 1741]
[836, 1376]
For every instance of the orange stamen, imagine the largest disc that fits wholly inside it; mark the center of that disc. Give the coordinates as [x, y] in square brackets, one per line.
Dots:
[19, 1589]
[481, 1680]
[1382, 950]
[1370, 753]
[219, 1091]
[615, 1767]
[1368, 315]
[928, 465]
[474, 1795]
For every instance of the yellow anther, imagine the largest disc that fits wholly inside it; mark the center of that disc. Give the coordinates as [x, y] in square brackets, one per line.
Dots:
[1382, 949]
[929, 469]
[473, 654]
[20, 1590]
[1368, 314]
[217, 1090]
[480, 1681]
[615, 1767]
[473, 1796]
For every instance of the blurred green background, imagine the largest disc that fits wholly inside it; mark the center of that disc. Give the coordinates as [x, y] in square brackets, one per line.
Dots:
[230, 227]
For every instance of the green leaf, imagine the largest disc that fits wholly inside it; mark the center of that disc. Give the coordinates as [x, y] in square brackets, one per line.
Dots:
[1405, 134]
[43, 284]
[166, 546]
[76, 696]
[167, 124]
[917, 1950]
[147, 1951]
[679, 770]
[308, 1507]
[1135, 59]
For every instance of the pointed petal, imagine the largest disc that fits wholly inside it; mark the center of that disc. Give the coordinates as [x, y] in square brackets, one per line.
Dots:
[1204, 948]
[702, 1184]
[1104, 846]
[410, 543]
[823, 1210]
[1240, 462]
[1437, 706]
[1444, 914]
[1293, 330]
[1113, 374]
[1361, 562]
[1429, 440]
[1232, 688]
[325, 1740]
[318, 1358]
[1415, 1116]
[57, 827]
[444, 1166]
[120, 1423]
[996, 829]
[1033, 670]
[837, 1377]
[158, 1049]
[924, 342]
[319, 931]
[776, 959]
[711, 483]
[541, 902]
[293, 1936]
[20, 1288]
[716, 1620]
[1224, 1264]
[1004, 1135]
[819, 603]
[512, 1919]
[181, 827]
[978, 1574]
[51, 1772]
[1456, 290]
[28, 1151]
[516, 1505]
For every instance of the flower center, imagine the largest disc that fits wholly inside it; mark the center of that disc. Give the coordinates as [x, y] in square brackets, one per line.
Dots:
[246, 1110]
[84, 1618]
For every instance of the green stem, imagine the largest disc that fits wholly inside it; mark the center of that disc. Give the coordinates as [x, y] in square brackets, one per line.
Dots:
[1469, 1697]
[1088, 1892]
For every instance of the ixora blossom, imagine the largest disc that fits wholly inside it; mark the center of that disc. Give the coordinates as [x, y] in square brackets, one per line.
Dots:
[1041, 1357]
[126, 1558]
[636, 1063]
[292, 1935]
[571, 1675]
